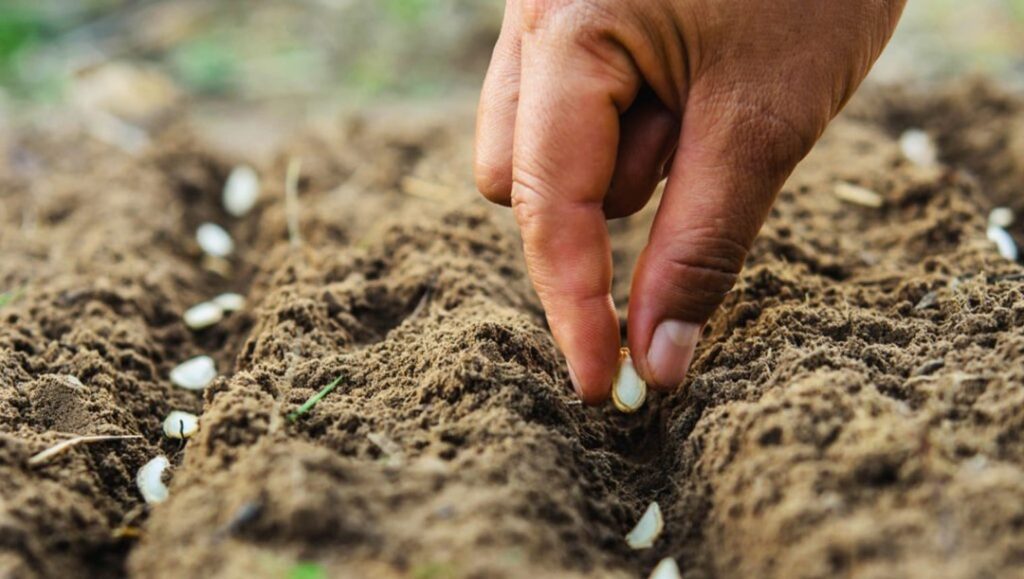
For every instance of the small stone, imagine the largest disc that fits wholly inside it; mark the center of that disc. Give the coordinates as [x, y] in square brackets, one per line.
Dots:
[230, 302]
[1001, 217]
[203, 315]
[919, 148]
[241, 190]
[214, 240]
[194, 374]
[180, 424]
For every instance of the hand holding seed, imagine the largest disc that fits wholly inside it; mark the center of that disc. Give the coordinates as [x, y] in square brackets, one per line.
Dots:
[588, 104]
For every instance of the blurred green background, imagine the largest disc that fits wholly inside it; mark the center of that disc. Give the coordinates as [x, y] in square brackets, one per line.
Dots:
[259, 50]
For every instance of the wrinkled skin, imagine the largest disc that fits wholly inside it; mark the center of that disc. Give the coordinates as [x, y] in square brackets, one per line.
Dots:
[588, 104]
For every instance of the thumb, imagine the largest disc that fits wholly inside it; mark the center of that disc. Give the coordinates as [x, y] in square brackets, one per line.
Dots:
[734, 155]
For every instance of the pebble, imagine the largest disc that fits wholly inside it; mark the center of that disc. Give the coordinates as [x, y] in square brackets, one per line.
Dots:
[647, 529]
[230, 302]
[1004, 242]
[667, 569]
[150, 480]
[241, 190]
[919, 148]
[180, 424]
[194, 374]
[214, 240]
[203, 315]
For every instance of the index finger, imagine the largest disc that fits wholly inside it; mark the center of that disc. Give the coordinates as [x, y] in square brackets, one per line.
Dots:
[566, 138]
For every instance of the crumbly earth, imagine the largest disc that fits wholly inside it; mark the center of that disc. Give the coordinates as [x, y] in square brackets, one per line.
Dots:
[855, 408]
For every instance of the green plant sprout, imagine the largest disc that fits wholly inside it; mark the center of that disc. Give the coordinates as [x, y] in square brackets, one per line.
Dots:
[309, 404]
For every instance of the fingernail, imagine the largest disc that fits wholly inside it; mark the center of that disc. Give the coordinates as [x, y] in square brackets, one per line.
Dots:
[575, 381]
[671, 351]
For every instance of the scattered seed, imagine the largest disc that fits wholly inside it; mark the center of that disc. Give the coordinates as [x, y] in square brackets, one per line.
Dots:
[214, 240]
[204, 315]
[1001, 217]
[929, 367]
[70, 443]
[180, 424]
[927, 300]
[150, 480]
[194, 374]
[666, 569]
[230, 302]
[647, 529]
[919, 148]
[1004, 242]
[858, 195]
[629, 391]
[241, 190]
[309, 404]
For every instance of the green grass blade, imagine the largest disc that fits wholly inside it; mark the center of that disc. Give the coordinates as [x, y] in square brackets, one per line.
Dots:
[309, 404]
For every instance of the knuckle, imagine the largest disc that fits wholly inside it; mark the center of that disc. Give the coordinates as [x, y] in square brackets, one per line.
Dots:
[528, 200]
[493, 182]
[700, 268]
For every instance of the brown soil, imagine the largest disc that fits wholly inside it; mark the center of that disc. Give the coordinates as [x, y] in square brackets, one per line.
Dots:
[856, 407]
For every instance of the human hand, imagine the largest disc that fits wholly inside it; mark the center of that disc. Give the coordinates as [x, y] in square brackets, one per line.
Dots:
[588, 104]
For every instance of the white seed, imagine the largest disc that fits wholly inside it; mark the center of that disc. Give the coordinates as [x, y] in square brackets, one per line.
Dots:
[203, 315]
[180, 424]
[917, 146]
[150, 480]
[230, 302]
[214, 240]
[666, 569]
[1001, 217]
[241, 190]
[629, 391]
[858, 195]
[194, 374]
[647, 529]
[1004, 242]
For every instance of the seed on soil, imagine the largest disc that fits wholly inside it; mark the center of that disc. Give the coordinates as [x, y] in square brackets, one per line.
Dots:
[230, 302]
[1001, 217]
[241, 190]
[919, 148]
[666, 569]
[647, 529]
[194, 374]
[629, 391]
[1004, 242]
[180, 424]
[214, 240]
[150, 480]
[858, 195]
[203, 315]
